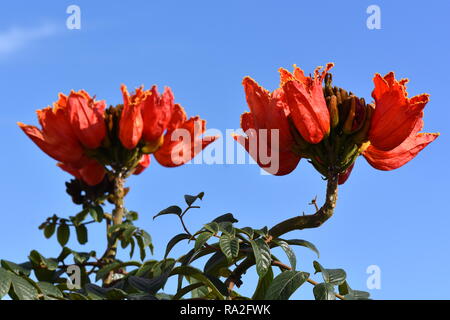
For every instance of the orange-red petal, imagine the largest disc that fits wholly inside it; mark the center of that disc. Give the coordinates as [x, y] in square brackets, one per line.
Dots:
[86, 117]
[142, 165]
[91, 172]
[183, 143]
[406, 151]
[395, 115]
[156, 113]
[306, 103]
[131, 124]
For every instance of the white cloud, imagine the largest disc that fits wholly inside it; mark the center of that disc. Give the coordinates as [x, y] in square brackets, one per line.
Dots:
[17, 38]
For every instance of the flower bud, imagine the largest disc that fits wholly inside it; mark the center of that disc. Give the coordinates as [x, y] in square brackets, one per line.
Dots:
[333, 110]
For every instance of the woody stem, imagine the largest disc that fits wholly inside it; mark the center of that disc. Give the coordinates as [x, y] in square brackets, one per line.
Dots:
[296, 223]
[117, 217]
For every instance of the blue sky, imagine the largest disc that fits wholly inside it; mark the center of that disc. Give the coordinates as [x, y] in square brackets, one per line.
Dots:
[397, 220]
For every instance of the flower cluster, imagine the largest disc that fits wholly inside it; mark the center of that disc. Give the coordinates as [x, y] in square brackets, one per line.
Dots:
[331, 127]
[87, 139]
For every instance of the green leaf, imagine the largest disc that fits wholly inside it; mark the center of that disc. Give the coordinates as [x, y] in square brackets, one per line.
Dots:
[350, 294]
[324, 291]
[141, 296]
[79, 217]
[128, 233]
[357, 295]
[285, 284]
[39, 261]
[63, 234]
[289, 252]
[262, 255]
[213, 227]
[229, 246]
[228, 217]
[248, 231]
[264, 232]
[81, 257]
[174, 241]
[132, 215]
[147, 240]
[170, 210]
[49, 289]
[199, 276]
[22, 269]
[187, 289]
[95, 292]
[141, 245]
[77, 296]
[202, 238]
[115, 294]
[49, 230]
[333, 276]
[132, 246]
[303, 243]
[103, 272]
[150, 286]
[82, 234]
[23, 289]
[191, 199]
[97, 213]
[227, 228]
[214, 264]
[263, 285]
[5, 282]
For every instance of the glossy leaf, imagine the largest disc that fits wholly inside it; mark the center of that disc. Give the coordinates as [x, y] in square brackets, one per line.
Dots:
[202, 238]
[49, 230]
[198, 275]
[333, 276]
[82, 234]
[263, 284]
[229, 246]
[5, 282]
[150, 286]
[191, 199]
[63, 234]
[170, 210]
[23, 289]
[324, 291]
[303, 243]
[228, 217]
[285, 284]
[262, 255]
[174, 241]
[289, 252]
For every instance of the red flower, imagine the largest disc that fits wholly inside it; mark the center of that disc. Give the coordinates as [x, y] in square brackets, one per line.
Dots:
[268, 111]
[87, 118]
[395, 115]
[182, 141]
[406, 151]
[90, 171]
[142, 165]
[131, 124]
[73, 124]
[156, 113]
[57, 139]
[306, 102]
[162, 126]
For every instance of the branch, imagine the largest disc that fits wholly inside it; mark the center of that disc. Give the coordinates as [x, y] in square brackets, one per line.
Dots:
[296, 223]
